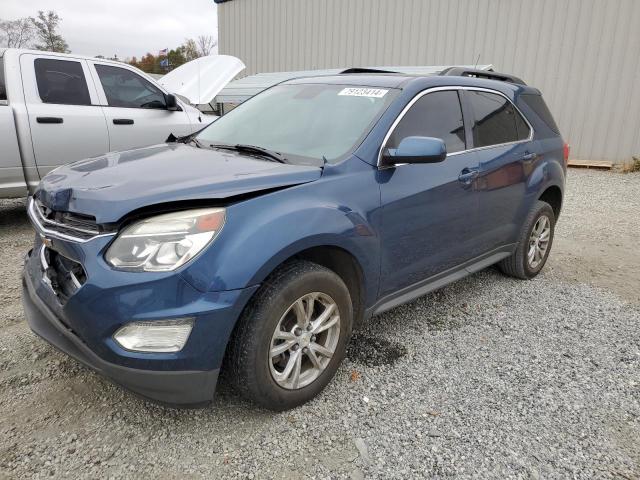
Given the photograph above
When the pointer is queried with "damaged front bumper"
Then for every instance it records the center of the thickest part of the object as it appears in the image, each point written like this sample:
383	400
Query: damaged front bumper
80	317
178	388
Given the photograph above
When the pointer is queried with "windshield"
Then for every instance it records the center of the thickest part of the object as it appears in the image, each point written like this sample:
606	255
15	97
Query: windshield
302	121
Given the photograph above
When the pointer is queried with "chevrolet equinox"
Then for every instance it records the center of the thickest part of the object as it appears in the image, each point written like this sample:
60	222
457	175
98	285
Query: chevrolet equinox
257	244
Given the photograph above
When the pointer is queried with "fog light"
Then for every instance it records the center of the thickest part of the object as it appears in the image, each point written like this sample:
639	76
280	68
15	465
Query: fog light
157	336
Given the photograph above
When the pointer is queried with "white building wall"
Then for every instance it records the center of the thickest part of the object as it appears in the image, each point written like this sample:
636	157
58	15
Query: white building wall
583	54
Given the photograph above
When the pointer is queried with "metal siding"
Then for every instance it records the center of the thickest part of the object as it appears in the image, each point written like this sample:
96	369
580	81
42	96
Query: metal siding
582	54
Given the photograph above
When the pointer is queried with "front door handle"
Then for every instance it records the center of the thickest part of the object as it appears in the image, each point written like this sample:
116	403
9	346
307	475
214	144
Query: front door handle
467	175
122	121
49	120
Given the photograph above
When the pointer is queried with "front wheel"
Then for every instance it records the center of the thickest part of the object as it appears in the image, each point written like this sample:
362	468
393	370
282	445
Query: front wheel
291	338
534	244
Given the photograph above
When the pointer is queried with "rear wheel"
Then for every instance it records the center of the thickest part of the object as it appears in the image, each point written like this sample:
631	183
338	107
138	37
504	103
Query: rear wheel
292	336
534	244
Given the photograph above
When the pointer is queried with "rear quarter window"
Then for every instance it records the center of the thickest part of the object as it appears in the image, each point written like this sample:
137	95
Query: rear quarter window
538	105
3	86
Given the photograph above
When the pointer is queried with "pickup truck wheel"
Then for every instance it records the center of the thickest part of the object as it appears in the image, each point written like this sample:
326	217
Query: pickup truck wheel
292	336
534	244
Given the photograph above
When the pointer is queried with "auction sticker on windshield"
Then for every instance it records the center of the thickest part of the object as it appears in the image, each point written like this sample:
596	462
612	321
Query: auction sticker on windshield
364	92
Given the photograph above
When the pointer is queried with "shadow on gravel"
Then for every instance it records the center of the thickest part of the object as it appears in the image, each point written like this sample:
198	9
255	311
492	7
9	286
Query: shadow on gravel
13	213
374	352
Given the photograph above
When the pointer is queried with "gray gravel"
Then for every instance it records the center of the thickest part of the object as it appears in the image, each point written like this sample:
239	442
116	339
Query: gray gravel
489	377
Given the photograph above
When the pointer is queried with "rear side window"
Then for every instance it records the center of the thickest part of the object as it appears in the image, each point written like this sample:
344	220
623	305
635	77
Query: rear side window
61	82
437	115
124	88
3	86
495	120
538	105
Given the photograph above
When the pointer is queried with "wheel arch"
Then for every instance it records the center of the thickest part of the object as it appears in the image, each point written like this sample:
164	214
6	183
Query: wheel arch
345	261
553	196
546	183
346	266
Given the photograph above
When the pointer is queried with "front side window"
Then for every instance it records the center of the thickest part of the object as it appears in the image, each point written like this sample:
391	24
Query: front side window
437	115
302	121
126	89
495	120
3	86
61	82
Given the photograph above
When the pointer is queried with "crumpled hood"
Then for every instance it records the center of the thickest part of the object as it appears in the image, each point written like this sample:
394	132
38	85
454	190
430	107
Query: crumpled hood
110	186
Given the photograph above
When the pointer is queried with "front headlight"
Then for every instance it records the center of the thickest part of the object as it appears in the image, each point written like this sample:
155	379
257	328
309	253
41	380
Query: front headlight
165	242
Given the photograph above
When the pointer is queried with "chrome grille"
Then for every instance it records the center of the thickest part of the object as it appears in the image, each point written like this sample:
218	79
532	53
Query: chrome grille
66	225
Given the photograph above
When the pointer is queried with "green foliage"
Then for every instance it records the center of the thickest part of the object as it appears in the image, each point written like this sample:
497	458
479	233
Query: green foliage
46	25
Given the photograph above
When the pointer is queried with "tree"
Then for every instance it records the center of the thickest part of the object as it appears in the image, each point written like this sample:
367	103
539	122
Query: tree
148	63
176	57
16	33
188	51
206	44
46	25
191	51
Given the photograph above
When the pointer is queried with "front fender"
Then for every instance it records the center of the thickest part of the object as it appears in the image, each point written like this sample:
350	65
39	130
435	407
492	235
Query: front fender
263	232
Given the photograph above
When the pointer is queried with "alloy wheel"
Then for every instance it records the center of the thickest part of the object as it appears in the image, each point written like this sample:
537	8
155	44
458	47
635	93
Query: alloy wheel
539	241
304	341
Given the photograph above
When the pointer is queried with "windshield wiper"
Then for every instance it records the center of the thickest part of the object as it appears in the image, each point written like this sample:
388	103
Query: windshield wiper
196	142
278	157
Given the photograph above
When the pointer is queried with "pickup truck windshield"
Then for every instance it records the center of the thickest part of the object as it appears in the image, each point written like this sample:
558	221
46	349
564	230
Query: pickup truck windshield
302	121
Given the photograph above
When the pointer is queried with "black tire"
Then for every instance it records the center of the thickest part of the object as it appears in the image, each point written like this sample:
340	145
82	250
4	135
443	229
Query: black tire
247	361
517	265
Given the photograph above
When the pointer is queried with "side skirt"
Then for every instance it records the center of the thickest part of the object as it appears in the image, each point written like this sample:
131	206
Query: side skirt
439	280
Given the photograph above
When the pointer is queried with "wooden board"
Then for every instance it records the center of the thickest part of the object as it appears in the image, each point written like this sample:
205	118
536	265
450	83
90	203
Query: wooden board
590	164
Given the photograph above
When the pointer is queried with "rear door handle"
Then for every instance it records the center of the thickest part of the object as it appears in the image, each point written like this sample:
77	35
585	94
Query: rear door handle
122	121
467	175
49	120
529	156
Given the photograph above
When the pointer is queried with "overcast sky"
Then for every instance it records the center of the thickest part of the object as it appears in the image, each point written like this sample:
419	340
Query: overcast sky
122	27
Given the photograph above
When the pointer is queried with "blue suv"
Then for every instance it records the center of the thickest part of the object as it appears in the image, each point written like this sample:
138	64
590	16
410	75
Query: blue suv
256	245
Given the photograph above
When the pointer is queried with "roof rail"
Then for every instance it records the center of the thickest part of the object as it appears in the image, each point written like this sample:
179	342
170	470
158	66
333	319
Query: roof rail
471	72
366	70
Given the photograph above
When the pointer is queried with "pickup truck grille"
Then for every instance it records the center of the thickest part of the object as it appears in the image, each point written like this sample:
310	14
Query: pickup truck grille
66	225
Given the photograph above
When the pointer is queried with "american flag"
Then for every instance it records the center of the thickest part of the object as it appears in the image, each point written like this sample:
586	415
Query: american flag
163	52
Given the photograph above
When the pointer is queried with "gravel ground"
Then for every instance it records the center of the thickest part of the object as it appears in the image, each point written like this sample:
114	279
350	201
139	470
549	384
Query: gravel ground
488	377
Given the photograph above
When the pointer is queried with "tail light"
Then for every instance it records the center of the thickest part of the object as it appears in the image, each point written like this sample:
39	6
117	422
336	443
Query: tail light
565	153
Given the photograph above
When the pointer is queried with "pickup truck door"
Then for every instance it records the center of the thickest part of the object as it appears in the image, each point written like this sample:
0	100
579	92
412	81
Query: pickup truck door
66	121
135	108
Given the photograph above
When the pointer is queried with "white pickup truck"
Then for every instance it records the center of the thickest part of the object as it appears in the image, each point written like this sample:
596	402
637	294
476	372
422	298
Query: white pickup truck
57	108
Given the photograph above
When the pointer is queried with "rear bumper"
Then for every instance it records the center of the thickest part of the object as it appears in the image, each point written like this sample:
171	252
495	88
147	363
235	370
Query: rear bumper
175	388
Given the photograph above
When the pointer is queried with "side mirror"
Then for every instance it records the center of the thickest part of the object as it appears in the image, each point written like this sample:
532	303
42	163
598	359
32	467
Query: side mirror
415	150
172	103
